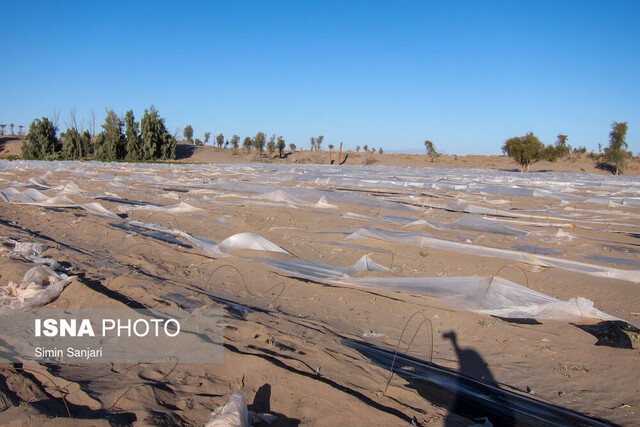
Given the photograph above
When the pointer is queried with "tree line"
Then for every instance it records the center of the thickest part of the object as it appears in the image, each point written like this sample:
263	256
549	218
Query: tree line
120	139
528	149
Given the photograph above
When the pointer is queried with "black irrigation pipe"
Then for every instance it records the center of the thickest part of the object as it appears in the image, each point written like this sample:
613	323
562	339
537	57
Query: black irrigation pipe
473	399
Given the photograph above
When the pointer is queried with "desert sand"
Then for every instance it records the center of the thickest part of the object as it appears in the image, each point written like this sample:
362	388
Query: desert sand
400	253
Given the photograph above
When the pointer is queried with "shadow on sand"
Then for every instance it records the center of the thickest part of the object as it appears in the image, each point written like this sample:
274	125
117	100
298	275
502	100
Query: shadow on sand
471	392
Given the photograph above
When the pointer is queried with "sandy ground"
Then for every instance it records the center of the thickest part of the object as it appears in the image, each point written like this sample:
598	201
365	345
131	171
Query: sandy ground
288	353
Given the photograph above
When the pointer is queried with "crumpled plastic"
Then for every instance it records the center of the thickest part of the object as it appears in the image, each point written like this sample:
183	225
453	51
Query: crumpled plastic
236	414
29	251
39	286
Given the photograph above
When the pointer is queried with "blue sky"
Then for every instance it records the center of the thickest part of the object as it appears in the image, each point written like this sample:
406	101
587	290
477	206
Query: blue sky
465	74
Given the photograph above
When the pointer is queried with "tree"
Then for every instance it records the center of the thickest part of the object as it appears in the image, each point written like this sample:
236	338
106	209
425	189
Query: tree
111	143
235	143
616	153
11	127
132	136
219	140
357	148
380	150
373	149
157	142
259	140
41	140
271	145
207	135
319	142
331	147
73	119
75	145
93	123
292	147
524	150
20	127
365	148
247	143
2	129
281	145
313	143
431	149
188	134
560	150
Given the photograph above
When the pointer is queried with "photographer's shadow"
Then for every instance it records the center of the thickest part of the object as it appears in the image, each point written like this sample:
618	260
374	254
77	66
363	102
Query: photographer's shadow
472	365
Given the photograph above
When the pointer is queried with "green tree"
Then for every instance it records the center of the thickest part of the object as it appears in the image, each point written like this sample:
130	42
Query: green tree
524	150
207	135
220	141
11	127
560	150
247	144
616	153
380	150
188	134
2	129
20	127
365	148
431	149
281	145
331	147
313	143
292	147
41	140
259	141
111	143
235	143
157	142
357	148
319	142
133	138
75	145
271	145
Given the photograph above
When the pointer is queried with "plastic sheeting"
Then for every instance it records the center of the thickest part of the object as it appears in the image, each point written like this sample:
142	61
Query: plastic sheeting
39	286
472	223
424	240
29	251
181	207
493	296
235	242
233	414
249	241
318	272
236	414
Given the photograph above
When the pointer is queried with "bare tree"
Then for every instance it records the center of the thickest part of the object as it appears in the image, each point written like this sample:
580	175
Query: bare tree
73	120
93	123
56	118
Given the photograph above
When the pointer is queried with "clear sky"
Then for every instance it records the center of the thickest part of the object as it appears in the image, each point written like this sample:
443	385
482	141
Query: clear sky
465	74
